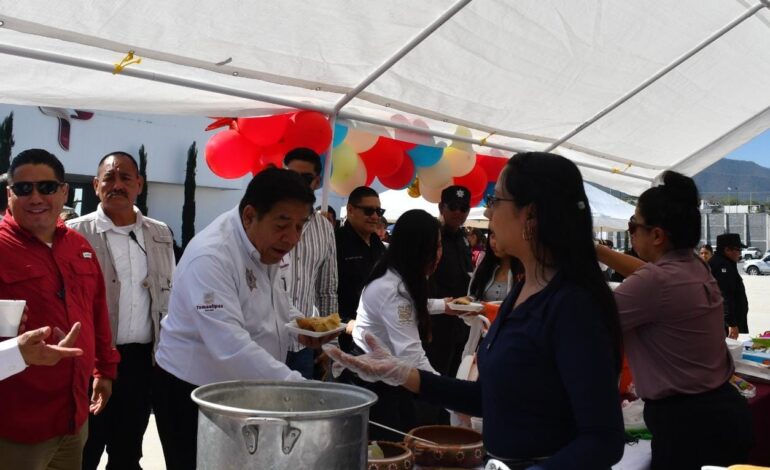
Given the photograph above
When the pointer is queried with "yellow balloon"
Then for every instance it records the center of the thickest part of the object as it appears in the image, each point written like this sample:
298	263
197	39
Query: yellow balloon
348	171
436	176
460	162
432	194
462	132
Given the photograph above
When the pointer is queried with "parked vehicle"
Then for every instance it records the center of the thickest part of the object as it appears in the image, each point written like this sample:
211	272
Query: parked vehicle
757	266
751	253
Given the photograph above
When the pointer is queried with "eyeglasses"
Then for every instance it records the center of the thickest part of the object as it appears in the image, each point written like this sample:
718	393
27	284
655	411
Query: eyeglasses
46	188
455	207
490	200
633	225
369	210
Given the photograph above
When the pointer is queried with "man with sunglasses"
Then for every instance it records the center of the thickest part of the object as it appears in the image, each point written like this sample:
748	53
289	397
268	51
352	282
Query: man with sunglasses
312	264
137	259
724	268
358	250
450	280
56	271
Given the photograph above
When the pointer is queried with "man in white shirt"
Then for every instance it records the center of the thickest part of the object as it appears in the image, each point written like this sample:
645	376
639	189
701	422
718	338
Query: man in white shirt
30	349
137	259
229	307
312	280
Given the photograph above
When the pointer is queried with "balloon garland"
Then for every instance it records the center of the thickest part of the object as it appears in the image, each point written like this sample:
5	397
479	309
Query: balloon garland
248	145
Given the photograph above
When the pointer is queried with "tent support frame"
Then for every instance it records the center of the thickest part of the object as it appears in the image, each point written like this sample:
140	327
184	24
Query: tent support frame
658	75
374	75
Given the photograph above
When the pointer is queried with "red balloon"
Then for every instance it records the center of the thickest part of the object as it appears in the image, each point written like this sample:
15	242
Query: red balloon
384	159
492	165
403	176
273	155
476	200
264	131
258	167
230	155
310	129
475	181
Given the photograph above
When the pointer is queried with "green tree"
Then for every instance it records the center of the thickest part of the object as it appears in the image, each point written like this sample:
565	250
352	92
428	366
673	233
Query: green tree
6	145
188	209
141	200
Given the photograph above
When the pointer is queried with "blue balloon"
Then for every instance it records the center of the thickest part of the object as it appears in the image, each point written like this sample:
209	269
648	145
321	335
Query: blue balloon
340	132
425	155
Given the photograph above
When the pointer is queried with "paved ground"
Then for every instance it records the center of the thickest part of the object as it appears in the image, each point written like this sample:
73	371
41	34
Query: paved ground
757	288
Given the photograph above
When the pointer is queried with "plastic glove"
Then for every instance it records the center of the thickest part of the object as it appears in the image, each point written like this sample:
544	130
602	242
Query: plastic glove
376	366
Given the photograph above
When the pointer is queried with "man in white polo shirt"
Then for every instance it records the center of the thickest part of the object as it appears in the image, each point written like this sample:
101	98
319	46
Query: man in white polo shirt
228	308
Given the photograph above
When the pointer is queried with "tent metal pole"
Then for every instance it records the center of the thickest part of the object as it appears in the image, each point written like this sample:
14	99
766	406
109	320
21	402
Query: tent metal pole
228	91
446	135
157	77
677	62
325	188
374	75
405	49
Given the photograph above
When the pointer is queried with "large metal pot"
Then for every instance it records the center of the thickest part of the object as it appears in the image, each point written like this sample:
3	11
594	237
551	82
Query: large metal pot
278	425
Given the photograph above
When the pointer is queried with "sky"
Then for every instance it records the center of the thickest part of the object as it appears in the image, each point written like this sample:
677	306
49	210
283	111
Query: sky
756	150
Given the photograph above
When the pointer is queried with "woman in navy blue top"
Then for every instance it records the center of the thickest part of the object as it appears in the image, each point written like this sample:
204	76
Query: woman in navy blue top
548	368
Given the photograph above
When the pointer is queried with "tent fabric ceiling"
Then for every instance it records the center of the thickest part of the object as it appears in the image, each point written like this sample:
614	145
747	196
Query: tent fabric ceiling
527	72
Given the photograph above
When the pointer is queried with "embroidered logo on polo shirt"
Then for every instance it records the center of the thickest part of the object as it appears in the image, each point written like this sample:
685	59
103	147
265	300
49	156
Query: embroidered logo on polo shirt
251	279
404	314
208	303
87	255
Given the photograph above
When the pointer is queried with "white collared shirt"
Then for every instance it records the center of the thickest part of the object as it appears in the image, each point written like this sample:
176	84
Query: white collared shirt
11	361
226	318
135	322
386	311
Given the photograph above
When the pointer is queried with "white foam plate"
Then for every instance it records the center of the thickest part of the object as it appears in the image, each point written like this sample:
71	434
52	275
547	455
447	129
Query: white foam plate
472	307
292	327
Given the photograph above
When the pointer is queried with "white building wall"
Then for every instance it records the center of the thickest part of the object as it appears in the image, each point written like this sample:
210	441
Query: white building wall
166	140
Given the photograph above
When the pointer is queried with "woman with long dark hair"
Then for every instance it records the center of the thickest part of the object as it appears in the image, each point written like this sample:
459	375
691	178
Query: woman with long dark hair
672	319
548	368
495	275
394	308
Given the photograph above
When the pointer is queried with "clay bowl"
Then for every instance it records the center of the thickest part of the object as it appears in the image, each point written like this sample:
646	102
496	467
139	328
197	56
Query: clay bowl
397	457
454	447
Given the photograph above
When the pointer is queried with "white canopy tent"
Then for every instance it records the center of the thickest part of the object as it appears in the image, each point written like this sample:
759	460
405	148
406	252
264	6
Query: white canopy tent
627	90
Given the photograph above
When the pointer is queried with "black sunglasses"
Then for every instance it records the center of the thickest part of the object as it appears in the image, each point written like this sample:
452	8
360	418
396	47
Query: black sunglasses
46	188
633	225
369	210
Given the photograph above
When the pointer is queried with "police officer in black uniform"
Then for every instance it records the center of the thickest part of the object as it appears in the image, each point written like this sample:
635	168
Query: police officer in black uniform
451	278
724	268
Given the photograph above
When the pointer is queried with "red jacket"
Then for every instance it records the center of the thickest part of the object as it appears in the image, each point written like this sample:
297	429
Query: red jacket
62	285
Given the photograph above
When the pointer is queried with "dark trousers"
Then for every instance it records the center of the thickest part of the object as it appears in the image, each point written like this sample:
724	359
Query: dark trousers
177	418
689	431
121	425
302	361
448	337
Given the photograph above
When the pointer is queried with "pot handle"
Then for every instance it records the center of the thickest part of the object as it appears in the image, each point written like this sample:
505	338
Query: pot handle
251	433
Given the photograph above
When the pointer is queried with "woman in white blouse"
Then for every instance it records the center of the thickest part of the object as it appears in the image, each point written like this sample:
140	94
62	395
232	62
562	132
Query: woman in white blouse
394	308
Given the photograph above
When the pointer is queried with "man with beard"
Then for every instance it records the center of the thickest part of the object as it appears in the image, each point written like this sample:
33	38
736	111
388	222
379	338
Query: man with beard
137	259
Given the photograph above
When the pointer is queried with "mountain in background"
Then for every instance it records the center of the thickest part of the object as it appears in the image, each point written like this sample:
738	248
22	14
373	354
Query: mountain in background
747	181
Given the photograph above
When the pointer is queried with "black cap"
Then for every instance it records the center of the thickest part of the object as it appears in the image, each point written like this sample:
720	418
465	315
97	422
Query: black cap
727	240
457	194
